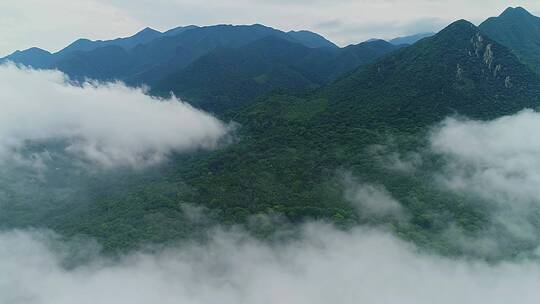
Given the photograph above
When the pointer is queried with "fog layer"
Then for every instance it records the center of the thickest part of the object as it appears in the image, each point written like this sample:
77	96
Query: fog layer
108	124
325	266
498	162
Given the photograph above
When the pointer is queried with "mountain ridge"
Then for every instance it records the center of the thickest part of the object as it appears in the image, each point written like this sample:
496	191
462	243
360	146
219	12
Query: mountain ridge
518	30
309	68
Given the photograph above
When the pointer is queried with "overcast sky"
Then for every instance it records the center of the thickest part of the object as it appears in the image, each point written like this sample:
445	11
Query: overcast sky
53	24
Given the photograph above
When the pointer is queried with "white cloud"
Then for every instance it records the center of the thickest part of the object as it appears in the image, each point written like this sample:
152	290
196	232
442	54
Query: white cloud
109	124
498	162
323	266
499	159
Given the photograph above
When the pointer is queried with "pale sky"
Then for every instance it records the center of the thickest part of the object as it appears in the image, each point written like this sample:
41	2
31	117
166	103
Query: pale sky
52	24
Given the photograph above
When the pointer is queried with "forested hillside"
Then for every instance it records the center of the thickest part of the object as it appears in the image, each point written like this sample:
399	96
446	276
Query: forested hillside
309	120
518	30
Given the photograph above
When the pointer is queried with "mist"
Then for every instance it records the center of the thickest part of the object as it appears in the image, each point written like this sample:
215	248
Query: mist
498	160
323	266
107	124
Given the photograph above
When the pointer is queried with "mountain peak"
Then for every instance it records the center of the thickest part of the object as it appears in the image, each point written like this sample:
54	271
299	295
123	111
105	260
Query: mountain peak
459	32
147	31
515	12
34	51
518	30
460	25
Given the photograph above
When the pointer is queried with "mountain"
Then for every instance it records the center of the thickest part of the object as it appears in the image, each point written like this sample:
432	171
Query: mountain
156	59
165	46
310	39
228	78
459	70
301	128
518	30
105	63
34	57
170	54
85	45
412	39
292	147
354	56
43	59
147	55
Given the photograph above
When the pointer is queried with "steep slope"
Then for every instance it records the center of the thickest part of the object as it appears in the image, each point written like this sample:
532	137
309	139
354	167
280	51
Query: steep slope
518	30
457	71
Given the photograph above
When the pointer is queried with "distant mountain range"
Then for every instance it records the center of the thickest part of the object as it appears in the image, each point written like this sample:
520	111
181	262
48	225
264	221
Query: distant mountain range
215	67
43	59
188	61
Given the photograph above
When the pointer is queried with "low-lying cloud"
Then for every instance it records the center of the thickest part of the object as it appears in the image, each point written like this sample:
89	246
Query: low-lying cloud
499	159
323	266
108	124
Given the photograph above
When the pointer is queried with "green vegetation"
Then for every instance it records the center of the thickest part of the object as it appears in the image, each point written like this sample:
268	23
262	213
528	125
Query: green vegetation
518	30
292	149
